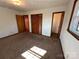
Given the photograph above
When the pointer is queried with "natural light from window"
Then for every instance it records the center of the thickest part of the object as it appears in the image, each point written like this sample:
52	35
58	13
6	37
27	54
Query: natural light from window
78	27
78	13
34	53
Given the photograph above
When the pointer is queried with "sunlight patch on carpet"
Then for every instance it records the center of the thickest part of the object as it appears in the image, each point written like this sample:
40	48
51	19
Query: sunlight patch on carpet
34	53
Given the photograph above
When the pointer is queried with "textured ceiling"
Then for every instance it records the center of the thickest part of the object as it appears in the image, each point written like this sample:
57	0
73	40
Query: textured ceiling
32	4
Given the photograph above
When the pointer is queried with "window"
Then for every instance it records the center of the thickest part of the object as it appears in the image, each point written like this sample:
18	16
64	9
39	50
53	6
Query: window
78	27
73	27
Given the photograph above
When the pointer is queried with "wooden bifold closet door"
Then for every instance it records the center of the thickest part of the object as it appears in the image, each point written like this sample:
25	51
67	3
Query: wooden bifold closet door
36	22
26	19
22	23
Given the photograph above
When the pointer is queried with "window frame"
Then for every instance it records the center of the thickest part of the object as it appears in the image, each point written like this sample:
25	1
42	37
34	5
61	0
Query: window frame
72	33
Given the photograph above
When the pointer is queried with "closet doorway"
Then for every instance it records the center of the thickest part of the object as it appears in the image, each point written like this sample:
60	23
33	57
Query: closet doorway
22	23
36	23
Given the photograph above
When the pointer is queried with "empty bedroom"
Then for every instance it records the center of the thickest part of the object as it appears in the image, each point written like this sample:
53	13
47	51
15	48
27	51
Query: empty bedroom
39	29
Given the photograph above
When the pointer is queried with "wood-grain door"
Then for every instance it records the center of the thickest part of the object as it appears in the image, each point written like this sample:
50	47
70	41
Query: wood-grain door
26	18
20	23
36	21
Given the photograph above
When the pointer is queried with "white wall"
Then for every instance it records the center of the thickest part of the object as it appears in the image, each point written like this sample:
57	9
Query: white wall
47	18
8	25
69	43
